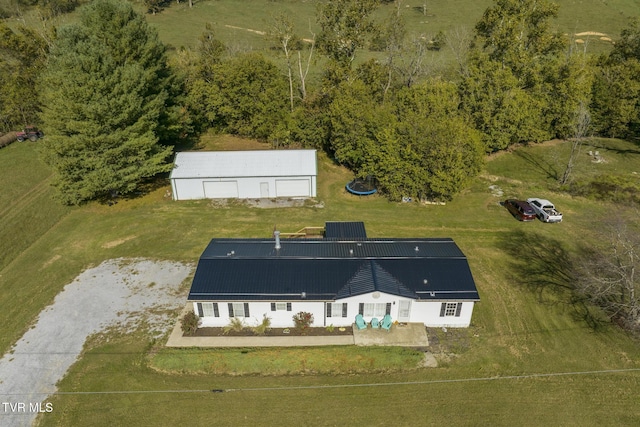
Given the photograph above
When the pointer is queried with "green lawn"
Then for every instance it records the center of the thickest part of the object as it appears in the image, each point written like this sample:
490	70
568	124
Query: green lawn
517	329
278	361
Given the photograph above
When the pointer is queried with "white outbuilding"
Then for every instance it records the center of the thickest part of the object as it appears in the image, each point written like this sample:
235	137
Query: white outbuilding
244	174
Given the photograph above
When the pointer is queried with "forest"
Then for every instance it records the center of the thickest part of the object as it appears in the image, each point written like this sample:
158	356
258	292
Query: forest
115	102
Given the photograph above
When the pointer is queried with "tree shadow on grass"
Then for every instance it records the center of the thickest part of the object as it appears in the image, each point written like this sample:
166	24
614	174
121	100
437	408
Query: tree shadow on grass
548	169
544	266
619	151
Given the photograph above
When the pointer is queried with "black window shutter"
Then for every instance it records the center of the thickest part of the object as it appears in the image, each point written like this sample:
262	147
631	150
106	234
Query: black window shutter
328	309
443	307
344	309
230	310
458	309
288	306
273	306
246	309
361	308
216	312
388	309
200	313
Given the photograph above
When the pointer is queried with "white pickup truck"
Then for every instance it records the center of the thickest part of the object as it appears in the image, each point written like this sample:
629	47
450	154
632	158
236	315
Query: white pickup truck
545	211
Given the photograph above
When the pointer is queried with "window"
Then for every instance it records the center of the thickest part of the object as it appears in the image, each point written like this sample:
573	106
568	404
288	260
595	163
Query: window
374	309
280	306
450	309
238	309
336	309
208	309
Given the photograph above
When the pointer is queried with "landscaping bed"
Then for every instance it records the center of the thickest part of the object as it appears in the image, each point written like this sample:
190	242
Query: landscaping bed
273	332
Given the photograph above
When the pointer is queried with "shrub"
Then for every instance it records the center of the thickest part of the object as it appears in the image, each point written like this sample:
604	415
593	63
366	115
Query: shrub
262	327
302	320
190	322
236	325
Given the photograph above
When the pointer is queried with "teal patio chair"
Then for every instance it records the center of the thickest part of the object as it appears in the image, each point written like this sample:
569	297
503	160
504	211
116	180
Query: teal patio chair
386	322
375	323
360	323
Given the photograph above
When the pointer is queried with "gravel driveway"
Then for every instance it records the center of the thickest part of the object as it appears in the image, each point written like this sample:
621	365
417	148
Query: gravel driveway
117	292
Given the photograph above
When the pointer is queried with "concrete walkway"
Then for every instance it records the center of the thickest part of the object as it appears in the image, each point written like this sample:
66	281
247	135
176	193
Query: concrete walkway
176	339
408	335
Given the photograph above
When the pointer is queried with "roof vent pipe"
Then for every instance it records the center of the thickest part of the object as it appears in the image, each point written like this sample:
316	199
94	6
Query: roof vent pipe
276	234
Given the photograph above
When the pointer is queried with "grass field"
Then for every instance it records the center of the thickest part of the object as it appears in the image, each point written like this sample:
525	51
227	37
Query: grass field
490	378
231	20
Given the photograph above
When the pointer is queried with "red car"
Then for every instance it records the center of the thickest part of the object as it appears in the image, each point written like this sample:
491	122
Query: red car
520	209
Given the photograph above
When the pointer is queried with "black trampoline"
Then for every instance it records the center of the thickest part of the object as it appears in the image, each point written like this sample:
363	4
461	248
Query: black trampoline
362	186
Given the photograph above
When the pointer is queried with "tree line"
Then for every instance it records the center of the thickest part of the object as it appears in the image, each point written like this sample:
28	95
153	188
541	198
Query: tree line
114	103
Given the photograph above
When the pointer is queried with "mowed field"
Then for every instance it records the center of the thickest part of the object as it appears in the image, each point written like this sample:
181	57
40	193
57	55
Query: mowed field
528	359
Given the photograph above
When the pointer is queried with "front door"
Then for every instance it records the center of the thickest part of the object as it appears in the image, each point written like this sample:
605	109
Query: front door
404	310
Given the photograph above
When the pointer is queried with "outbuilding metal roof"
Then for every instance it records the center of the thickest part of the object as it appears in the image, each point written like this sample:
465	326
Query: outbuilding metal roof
318	269
260	163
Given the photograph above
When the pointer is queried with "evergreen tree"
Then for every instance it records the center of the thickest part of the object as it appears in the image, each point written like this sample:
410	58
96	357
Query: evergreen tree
105	92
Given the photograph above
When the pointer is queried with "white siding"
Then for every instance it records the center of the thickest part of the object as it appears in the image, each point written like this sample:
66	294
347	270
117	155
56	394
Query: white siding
293	187
279	318
220	189
427	312
285	173
247	188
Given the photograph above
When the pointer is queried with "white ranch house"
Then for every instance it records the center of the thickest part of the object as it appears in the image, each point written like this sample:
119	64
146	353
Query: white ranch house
244	174
334	278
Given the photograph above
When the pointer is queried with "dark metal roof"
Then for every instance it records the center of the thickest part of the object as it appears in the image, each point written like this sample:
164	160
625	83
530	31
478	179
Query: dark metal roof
324	248
345	230
317	269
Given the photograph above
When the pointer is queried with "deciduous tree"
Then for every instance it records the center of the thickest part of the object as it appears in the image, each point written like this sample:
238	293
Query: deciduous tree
609	275
504	88
345	25
22	57
246	95
616	90
499	106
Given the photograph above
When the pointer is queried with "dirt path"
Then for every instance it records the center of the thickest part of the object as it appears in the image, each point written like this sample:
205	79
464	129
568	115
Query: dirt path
117	292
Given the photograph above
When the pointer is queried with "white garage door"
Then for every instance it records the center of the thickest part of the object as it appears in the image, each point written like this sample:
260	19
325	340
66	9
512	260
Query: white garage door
293	188
220	189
